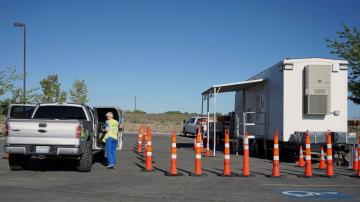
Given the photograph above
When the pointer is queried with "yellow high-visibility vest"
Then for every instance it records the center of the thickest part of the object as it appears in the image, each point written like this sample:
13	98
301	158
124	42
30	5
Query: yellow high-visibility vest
113	127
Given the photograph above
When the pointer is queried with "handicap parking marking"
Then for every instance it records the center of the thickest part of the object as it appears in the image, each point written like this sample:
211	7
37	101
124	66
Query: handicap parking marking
315	194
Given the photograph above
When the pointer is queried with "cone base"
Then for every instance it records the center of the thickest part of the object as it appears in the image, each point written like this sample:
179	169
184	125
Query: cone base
271	176
197	175
207	156
251	175
231	175
300	166
148	171
334	176
174	175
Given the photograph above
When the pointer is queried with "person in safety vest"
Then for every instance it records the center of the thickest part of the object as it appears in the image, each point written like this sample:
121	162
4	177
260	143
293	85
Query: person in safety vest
111	139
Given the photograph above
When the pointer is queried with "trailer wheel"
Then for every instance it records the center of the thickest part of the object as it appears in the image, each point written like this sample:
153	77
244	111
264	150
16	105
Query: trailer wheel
16	162
85	162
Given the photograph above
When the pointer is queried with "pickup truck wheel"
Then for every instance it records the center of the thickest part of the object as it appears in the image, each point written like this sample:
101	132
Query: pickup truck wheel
16	162
85	162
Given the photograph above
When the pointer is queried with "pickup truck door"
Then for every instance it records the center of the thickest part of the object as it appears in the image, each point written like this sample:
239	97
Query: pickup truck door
100	119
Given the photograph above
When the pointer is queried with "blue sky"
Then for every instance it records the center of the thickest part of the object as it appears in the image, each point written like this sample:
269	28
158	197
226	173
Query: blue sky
166	52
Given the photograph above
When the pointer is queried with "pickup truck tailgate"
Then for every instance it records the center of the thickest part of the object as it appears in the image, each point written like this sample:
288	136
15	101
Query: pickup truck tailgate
43	132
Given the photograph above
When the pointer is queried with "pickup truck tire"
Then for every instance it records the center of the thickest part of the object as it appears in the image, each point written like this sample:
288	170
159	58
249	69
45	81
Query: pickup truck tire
16	162
85	162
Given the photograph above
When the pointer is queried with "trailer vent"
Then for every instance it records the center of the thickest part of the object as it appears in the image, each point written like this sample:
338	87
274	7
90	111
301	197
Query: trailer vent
317	89
318	104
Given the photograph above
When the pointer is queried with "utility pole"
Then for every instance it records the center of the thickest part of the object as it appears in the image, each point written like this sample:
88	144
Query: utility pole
135	109
22	25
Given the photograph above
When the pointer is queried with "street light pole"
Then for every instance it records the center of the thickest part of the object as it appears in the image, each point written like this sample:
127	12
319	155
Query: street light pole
22	25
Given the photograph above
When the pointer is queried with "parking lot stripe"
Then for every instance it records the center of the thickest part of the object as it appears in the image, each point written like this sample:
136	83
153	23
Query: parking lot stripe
312	185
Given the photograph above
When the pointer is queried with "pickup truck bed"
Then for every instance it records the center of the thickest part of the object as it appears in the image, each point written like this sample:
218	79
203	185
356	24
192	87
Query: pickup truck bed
59	135
54	129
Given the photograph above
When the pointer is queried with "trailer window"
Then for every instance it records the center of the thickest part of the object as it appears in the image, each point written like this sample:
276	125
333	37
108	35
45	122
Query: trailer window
60	112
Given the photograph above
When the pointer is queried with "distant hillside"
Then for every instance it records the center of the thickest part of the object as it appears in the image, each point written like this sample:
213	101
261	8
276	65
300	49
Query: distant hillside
163	123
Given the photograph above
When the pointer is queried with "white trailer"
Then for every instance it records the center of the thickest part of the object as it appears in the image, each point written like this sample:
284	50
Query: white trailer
292	96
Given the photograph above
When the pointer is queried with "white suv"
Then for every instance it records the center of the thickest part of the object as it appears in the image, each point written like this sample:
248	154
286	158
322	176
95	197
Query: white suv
193	124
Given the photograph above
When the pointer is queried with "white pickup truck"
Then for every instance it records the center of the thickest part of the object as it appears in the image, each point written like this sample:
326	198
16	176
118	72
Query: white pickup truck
192	125
58	130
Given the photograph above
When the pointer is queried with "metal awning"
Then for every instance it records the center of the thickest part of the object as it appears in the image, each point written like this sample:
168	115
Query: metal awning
222	88
233	87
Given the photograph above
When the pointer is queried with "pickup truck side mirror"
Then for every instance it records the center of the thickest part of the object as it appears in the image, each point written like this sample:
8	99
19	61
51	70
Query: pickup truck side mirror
184	121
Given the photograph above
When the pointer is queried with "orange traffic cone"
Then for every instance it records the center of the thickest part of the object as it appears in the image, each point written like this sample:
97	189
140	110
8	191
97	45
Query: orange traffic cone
308	166
329	157
227	163
301	162
322	165
198	164
276	160
207	153
139	145
148	158
357	174
173	166
145	140
246	158
355	166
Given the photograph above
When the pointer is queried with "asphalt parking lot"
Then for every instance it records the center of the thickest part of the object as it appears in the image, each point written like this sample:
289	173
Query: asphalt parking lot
56	180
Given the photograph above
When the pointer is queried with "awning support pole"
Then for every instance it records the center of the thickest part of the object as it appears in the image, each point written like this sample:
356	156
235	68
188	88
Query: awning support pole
237	118
208	124
215	122
202	112
202	105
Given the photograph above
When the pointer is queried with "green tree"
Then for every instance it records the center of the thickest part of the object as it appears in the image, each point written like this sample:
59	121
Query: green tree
7	79
32	96
78	92
347	46
51	90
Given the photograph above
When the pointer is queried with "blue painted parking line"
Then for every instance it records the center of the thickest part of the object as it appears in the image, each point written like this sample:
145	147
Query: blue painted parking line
315	194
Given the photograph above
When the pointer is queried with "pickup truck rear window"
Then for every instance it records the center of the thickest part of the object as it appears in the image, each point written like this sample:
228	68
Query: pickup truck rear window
21	112
60	112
